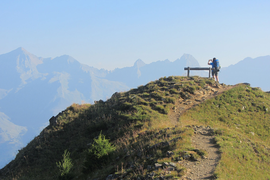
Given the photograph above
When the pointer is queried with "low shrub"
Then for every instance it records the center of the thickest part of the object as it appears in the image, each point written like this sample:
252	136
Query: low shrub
65	167
99	153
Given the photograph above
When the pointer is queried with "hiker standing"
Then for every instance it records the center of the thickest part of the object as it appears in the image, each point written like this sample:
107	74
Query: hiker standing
215	68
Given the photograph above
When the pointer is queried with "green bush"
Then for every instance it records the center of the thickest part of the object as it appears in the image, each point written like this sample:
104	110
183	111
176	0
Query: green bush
65	166
98	154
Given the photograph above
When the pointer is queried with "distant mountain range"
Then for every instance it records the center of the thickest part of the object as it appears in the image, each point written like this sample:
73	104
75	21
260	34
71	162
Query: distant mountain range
142	73
33	89
254	71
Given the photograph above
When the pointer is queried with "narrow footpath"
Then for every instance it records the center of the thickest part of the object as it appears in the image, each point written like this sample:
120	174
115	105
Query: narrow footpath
203	168
203	138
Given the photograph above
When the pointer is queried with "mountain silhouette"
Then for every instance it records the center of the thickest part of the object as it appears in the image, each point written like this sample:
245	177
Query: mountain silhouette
33	89
141	73
253	71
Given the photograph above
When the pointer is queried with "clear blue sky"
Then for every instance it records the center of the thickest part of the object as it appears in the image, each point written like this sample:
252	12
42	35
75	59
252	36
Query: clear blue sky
115	33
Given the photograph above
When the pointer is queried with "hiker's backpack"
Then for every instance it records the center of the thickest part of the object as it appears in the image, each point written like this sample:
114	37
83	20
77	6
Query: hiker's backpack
216	64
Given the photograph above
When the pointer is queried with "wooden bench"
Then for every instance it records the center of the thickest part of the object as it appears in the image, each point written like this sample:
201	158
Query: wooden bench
198	69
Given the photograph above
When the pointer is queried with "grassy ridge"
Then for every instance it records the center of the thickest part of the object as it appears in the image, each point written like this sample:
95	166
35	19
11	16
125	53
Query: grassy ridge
241	117
133	121
137	124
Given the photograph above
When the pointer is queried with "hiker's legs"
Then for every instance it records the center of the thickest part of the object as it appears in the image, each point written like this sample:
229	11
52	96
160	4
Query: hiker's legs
216	76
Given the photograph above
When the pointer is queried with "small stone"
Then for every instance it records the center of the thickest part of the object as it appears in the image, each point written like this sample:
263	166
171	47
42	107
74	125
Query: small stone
157	165
170	153
170	169
186	156
165	164
204	157
172	164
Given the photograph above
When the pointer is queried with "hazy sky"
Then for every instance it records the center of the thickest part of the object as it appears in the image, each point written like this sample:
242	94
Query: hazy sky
115	33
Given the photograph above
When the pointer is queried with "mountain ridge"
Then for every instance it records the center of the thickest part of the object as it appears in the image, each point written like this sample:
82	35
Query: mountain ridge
38	88
251	70
49	85
148	141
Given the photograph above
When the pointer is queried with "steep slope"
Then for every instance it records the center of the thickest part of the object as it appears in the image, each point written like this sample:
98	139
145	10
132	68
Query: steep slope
150	140
37	88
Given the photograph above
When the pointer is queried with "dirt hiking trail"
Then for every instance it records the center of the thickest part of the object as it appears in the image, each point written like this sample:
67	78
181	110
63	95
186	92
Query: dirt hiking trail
203	138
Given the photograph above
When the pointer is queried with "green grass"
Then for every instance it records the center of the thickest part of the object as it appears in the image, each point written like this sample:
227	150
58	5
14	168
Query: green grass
137	125
242	121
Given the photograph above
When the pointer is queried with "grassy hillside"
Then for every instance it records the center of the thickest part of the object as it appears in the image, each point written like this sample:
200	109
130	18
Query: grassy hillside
241	118
130	134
